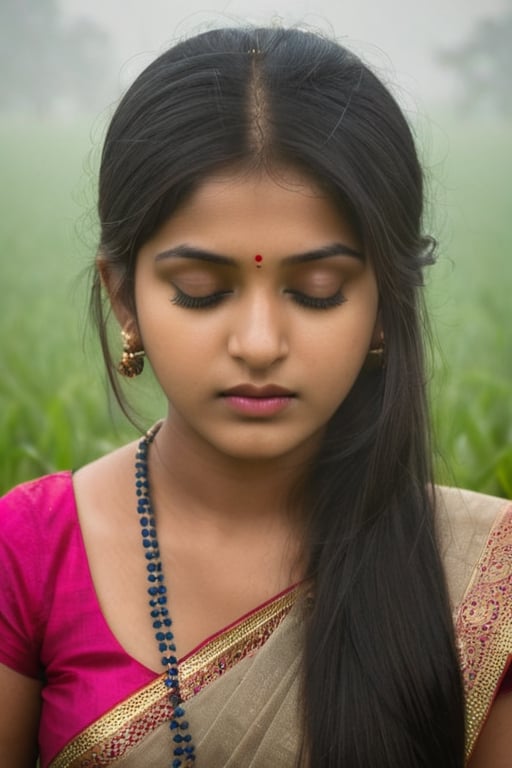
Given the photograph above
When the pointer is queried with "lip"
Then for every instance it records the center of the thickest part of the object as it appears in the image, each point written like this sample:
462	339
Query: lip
249	400
250	390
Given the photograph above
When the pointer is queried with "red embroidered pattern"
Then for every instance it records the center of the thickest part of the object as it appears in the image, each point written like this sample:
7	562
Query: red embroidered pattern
129	736
238	649
484	626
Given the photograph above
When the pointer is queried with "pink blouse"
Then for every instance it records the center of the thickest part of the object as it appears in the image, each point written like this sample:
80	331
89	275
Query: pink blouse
51	625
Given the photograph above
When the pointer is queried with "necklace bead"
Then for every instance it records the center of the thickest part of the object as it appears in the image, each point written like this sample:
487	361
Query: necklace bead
183	748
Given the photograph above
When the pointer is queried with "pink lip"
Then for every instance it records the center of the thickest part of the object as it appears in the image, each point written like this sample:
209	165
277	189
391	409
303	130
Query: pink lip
249	400
250	390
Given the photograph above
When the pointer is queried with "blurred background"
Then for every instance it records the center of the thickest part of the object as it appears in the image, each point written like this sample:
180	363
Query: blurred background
63	66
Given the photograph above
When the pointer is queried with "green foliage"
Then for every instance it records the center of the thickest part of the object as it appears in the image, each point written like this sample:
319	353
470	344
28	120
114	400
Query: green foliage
54	406
470	304
55	411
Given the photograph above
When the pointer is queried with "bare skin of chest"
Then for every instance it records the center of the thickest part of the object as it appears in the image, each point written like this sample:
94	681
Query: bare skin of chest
212	577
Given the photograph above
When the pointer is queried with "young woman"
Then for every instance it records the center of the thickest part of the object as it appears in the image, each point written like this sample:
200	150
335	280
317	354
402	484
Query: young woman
270	577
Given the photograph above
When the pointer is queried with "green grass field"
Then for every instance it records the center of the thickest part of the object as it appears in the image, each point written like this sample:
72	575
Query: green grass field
470	300
55	411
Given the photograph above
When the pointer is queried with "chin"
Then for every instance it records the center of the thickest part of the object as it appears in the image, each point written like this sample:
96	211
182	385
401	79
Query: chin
268	449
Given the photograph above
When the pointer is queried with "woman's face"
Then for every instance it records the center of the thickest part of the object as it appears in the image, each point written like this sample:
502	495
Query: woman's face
256	308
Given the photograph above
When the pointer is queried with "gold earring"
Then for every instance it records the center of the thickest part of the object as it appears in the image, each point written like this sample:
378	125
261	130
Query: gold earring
376	357
132	361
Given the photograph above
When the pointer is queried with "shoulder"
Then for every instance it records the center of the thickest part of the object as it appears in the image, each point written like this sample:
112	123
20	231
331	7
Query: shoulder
466	523
465	518
47	486
37	520
459	505
28	507
32	516
105	486
32	511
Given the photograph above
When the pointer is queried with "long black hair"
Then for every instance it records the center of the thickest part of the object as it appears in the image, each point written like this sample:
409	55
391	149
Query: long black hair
381	681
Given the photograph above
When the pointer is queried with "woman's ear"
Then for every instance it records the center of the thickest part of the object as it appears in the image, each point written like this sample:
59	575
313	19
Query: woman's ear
112	283
132	359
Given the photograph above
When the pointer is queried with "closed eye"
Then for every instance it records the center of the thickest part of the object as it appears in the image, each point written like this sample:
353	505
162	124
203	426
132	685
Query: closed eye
317	302
187	301
198	302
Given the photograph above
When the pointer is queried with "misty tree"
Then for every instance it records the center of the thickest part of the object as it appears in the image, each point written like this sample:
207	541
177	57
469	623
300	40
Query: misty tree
483	64
48	63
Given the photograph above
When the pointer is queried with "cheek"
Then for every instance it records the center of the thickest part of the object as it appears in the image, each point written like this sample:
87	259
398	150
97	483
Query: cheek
180	354
344	343
337	356
172	349
164	329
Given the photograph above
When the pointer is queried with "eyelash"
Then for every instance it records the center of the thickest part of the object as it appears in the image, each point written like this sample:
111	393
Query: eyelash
311	302
211	300
197	302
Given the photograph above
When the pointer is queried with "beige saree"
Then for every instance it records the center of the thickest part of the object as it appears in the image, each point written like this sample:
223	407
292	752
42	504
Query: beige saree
242	687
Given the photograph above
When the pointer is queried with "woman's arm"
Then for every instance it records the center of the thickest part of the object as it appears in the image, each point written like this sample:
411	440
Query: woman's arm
20	706
493	748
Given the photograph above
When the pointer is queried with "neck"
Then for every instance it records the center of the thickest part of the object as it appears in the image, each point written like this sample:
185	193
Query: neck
196	481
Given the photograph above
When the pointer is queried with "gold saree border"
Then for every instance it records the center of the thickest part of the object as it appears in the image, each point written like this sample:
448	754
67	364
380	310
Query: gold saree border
122	728
484	626
224	650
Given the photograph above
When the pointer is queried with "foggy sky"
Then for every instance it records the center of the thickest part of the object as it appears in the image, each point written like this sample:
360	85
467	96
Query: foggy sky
399	38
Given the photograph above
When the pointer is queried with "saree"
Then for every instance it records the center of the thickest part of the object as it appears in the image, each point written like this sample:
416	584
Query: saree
476	544
241	693
241	688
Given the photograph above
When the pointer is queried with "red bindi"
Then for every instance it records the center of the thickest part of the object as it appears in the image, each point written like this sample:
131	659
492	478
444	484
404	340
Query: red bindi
258	259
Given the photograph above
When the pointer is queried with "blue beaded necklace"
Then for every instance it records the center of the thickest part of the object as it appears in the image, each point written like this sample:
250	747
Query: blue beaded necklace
183	748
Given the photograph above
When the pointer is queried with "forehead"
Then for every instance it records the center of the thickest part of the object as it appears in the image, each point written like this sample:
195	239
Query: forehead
285	185
267	207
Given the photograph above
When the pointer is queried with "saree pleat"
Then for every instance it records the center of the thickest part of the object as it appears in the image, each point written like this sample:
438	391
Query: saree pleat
255	723
248	717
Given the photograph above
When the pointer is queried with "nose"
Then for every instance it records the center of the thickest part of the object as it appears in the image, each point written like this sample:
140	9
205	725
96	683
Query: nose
258	336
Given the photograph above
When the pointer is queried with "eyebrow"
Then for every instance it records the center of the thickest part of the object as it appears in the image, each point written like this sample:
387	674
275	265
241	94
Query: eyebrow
190	252
335	249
